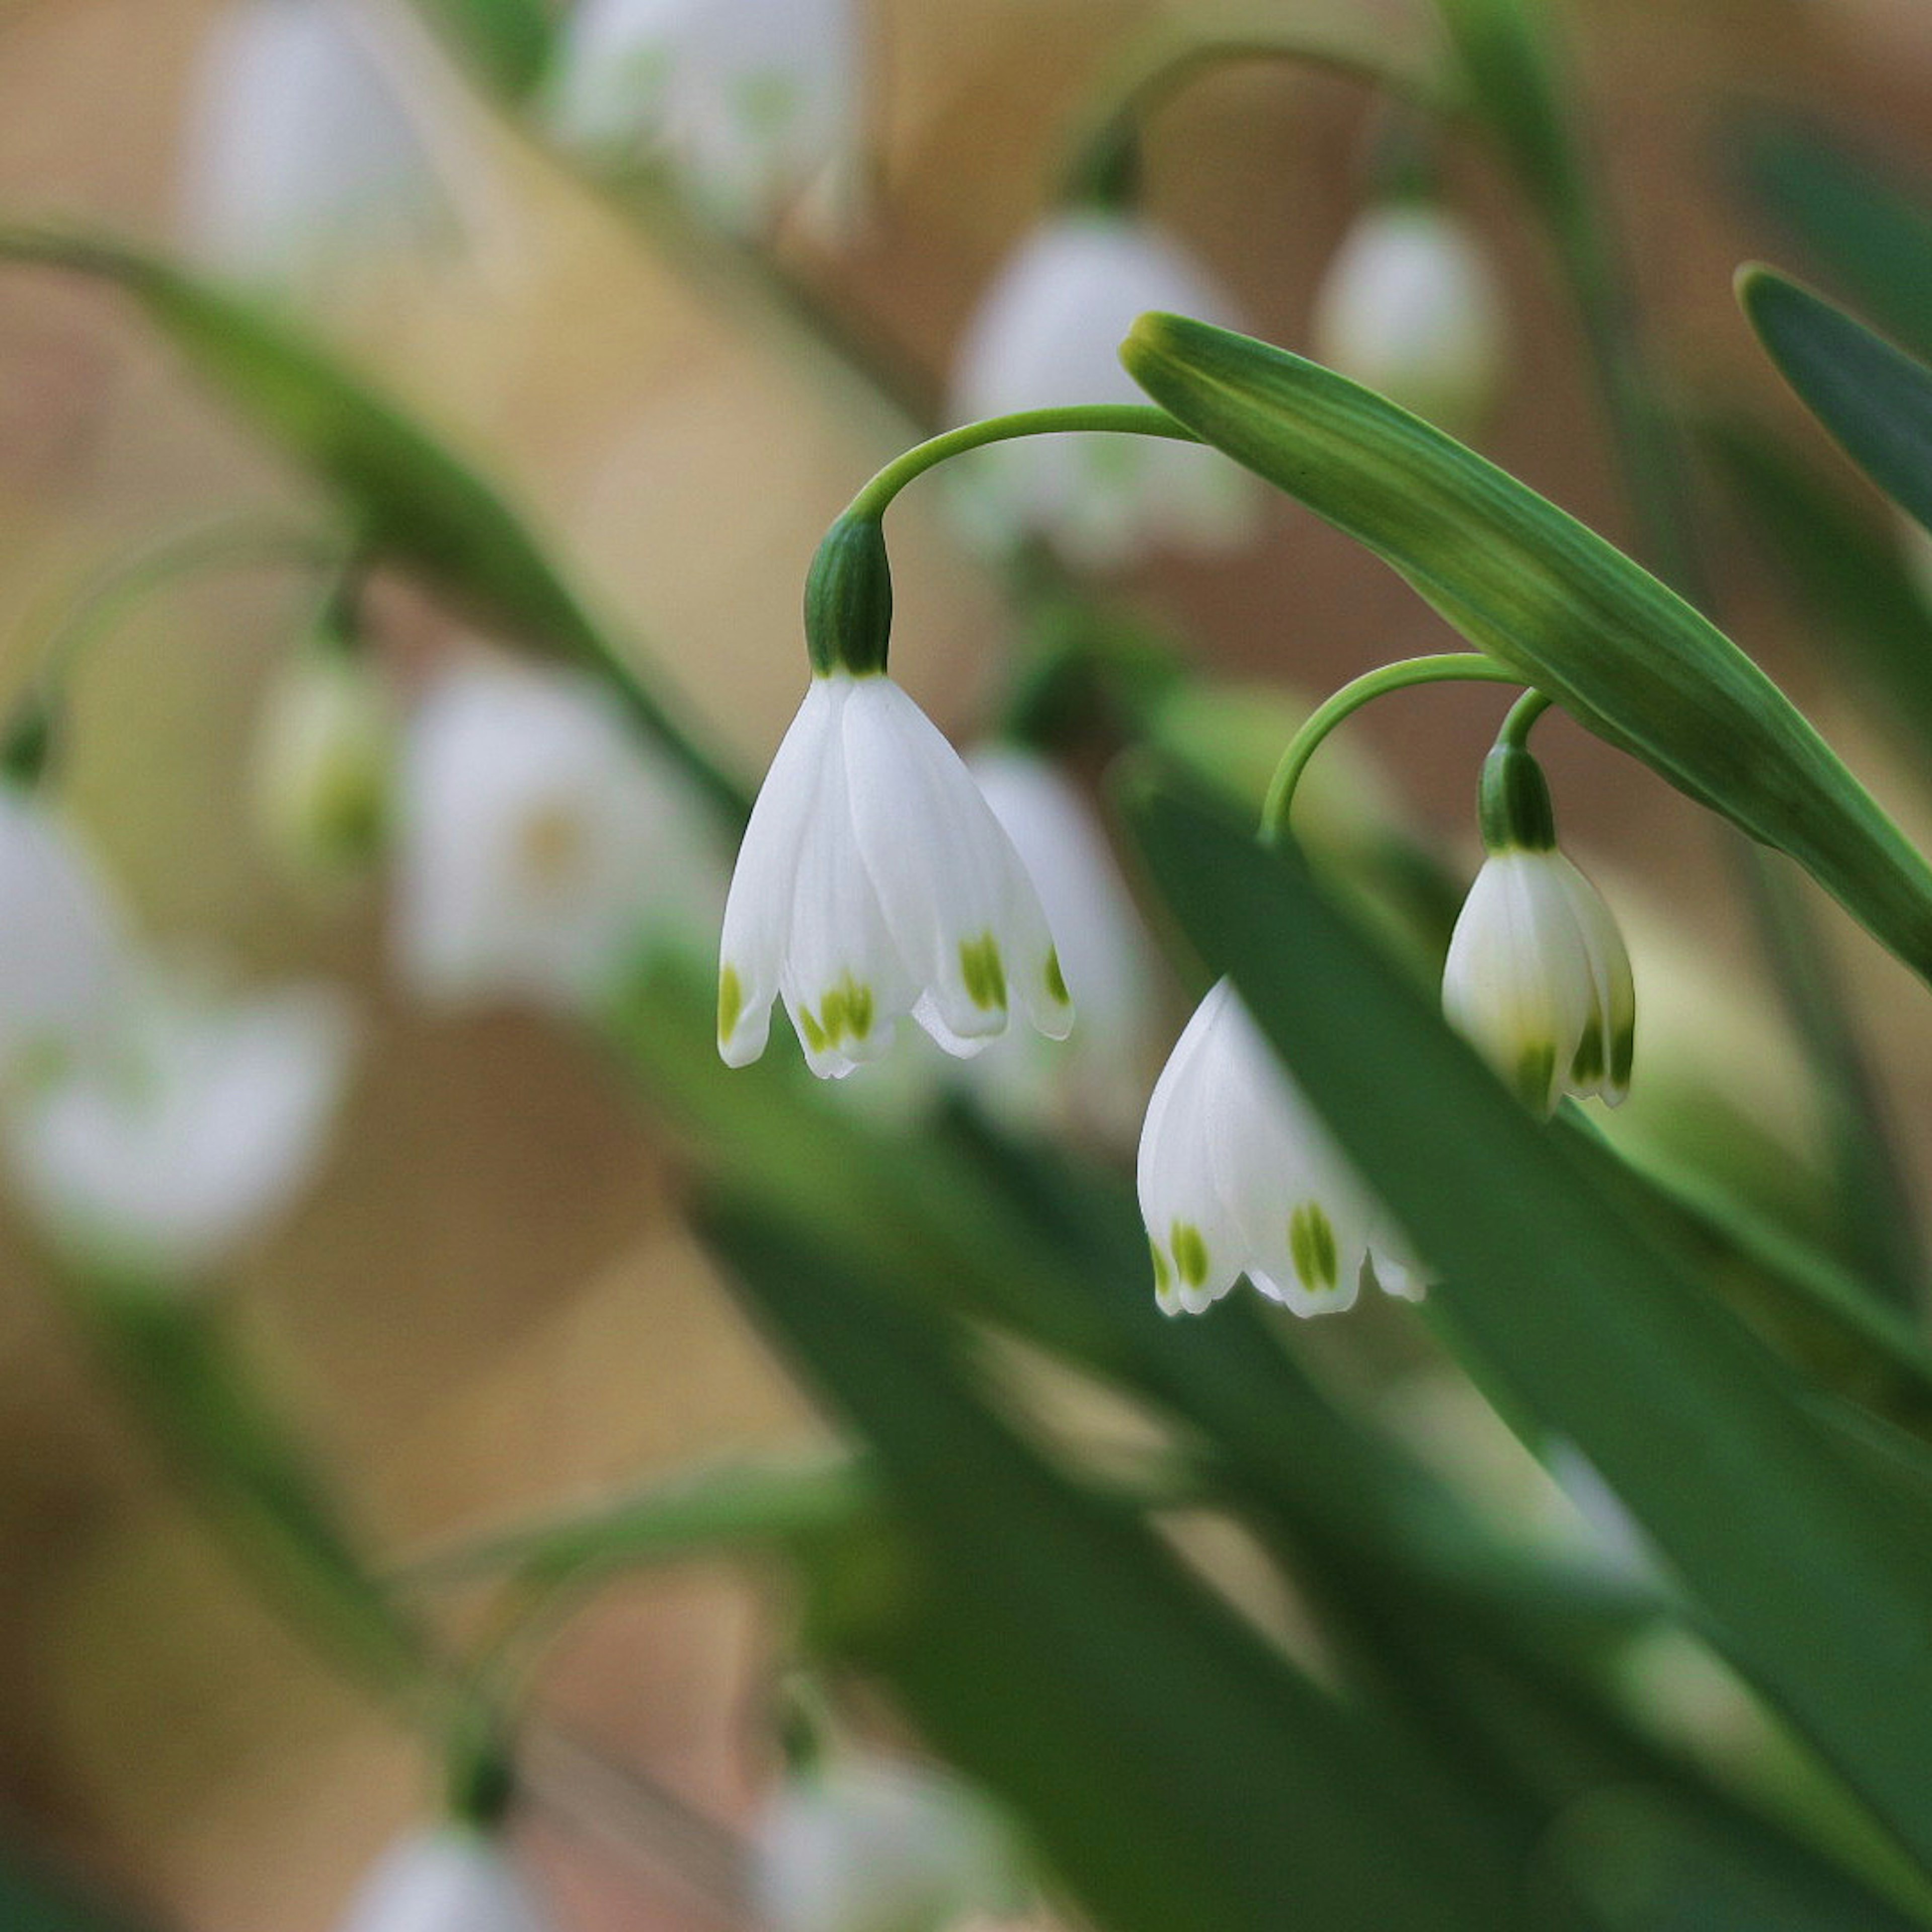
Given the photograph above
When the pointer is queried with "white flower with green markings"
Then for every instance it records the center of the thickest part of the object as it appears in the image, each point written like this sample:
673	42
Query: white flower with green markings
1236	1176
874	882
452	1880
1538	976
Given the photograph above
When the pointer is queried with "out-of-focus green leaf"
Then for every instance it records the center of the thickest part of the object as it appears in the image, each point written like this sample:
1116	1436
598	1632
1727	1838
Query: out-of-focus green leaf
507	42
1550	599
32	1900
1176	1772
1868	617
1793	1555
1859	227
411	502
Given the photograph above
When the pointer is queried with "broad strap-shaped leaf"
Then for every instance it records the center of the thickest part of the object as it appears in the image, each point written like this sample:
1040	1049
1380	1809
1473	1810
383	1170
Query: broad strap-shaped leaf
1875	399
1553	601
410	500
1801	1564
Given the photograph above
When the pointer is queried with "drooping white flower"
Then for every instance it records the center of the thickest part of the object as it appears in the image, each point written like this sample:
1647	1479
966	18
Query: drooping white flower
1538	976
1237	1176
183	1130
1100	1077
1409	307
874	881
452	1880
302	145
539	846
1047	332
62	938
325	764
868	1845
754	101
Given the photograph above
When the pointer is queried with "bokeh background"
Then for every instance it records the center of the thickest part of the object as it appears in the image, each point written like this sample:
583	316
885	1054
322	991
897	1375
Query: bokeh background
489	1306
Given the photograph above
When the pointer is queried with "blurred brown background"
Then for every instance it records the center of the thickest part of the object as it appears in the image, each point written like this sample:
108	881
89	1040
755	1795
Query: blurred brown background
488	1307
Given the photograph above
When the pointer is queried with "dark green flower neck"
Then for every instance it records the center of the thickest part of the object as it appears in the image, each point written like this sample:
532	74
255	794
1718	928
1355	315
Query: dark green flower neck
848	599
1512	803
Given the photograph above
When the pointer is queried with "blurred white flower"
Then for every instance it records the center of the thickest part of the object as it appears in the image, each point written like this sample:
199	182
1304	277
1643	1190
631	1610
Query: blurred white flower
1047	332
325	763
1409	307
1538	977
183	1130
1100	1077
866	1845
301	145
1236	1176
874	881
62	939
452	1880
755	101
540	849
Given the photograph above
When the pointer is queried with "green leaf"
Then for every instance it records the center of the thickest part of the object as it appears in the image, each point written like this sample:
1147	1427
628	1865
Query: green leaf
1875	399
1550	600
1859	227
32	1900
412	501
1793	1556
507	42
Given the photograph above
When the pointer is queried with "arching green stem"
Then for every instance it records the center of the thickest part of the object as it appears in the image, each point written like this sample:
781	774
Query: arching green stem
1523	714
1104	418
1445	667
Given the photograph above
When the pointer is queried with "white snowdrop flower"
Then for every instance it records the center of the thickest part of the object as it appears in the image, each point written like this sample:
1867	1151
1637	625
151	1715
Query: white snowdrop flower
62	939
874	881
754	101
301	145
184	1131
867	1845
325	763
1410	307
1101	1076
452	1880
540	849
1048	332
1538	974
1237	1176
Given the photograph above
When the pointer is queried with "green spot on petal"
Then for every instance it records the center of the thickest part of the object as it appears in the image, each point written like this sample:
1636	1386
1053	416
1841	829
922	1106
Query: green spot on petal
847	1012
1190	1252
1535	1069
730	1002
984	971
1311	1246
1056	980
815	1035
1586	1070
1163	1275
1623	1049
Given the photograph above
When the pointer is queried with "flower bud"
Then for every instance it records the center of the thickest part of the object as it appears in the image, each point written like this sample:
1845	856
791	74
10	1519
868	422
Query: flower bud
1409	307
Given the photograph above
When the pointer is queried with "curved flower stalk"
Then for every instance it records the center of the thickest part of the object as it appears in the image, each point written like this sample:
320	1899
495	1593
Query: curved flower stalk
1046	333
874	882
302	145
1538	974
452	1880
863	1844
1236	1176
1409	307
539	849
754	100
1100	1080
178	1136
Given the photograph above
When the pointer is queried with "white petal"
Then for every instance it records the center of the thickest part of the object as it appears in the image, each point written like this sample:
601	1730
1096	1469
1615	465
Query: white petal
1615	990
449	1881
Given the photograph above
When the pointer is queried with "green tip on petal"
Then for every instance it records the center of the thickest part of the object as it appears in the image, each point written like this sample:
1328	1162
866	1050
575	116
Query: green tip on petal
1190	1253
985	972
1535	1073
1056	980
1163	1275
1623	1050
1586	1070
730	1002
1311	1246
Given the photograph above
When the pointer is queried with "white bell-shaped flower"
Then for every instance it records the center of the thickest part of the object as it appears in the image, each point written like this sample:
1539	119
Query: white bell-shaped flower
302	146
1237	1176
183	1131
62	939
452	1880
1047	332
1538	977
1099	1078
874	881
1410	307
868	1845
540	848
754	101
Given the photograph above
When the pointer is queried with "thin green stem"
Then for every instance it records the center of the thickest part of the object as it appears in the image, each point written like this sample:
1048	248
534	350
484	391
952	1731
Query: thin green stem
1443	667
1523	714
1100	418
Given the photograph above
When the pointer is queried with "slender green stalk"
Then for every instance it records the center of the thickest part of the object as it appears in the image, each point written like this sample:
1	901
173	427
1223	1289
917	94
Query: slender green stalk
1443	667
1523	715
